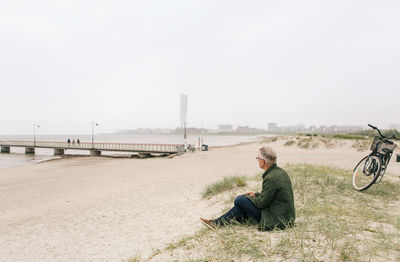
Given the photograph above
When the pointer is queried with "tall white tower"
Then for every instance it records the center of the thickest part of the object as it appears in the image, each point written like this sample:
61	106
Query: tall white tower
184	105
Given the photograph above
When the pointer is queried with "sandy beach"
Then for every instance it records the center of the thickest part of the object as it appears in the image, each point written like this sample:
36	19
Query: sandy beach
104	209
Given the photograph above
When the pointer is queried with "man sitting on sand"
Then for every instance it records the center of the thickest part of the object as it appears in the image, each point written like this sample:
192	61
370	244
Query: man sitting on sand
273	207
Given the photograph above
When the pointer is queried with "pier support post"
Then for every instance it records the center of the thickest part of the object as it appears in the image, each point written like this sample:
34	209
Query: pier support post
144	155
29	150
5	149
94	152
58	151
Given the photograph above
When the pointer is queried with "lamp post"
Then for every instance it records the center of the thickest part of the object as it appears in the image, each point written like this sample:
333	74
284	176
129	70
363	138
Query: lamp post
93	123
34	134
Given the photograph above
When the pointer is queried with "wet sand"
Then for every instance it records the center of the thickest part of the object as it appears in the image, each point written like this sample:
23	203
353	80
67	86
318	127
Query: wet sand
104	209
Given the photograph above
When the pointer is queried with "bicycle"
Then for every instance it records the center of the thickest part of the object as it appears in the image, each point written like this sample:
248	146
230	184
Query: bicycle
371	168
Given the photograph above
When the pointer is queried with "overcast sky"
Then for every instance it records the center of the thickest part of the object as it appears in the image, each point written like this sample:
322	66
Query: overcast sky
125	63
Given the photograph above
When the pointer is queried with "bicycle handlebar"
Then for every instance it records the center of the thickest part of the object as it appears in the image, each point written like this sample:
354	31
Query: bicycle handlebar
377	129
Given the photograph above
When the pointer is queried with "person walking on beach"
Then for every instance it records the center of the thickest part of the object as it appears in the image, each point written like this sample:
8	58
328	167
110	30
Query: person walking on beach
272	208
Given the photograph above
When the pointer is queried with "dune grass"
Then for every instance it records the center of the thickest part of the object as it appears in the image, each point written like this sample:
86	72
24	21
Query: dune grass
225	184
334	223
362	145
350	136
289	142
271	139
136	258
309	141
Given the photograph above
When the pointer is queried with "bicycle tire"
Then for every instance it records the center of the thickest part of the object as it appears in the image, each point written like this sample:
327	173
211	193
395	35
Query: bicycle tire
379	179
363	179
383	169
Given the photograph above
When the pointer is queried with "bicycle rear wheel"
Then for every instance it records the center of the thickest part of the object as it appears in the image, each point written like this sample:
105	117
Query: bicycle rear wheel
366	172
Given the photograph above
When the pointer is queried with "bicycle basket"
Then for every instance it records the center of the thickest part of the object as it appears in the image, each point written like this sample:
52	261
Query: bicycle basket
385	146
375	143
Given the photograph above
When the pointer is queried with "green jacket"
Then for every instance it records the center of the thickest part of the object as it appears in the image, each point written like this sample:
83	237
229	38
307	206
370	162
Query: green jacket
275	200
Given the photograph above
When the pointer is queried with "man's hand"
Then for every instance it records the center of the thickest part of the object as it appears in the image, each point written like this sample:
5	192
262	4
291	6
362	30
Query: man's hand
248	193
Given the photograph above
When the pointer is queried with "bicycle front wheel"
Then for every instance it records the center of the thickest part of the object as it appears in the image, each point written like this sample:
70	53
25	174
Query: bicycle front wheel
367	172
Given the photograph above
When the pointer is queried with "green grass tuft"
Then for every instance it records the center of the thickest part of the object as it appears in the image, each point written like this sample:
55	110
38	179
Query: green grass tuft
227	183
136	258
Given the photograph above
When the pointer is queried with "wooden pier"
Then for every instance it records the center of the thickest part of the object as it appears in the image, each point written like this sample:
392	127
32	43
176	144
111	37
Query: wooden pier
94	148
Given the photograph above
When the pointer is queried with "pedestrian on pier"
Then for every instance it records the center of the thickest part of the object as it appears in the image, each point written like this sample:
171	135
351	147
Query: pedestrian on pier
78	141
69	141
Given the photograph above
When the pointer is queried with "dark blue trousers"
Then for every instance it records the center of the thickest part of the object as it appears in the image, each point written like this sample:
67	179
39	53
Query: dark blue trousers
243	209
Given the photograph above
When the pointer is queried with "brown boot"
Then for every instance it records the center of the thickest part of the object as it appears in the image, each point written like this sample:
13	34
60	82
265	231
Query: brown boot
208	223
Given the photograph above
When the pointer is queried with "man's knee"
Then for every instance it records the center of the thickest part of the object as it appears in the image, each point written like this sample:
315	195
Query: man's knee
240	201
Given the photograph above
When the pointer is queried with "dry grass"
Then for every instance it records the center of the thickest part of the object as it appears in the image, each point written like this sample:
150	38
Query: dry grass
271	139
225	184
334	223
308	143
136	258
361	144
327	141
289	143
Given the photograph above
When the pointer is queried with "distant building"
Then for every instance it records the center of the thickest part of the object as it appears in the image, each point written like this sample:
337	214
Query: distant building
145	131
190	130
225	127
272	127
322	129
291	129
312	129
395	126
354	129
249	130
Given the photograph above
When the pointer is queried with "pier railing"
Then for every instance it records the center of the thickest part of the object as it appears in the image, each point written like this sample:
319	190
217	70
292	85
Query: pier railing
123	147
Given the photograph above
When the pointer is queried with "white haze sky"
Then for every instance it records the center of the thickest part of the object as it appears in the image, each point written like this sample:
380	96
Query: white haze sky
125	63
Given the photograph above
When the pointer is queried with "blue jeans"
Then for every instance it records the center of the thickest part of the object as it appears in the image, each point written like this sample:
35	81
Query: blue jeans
243	209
